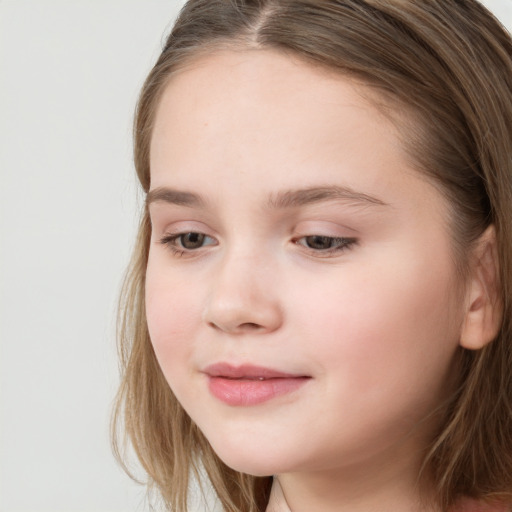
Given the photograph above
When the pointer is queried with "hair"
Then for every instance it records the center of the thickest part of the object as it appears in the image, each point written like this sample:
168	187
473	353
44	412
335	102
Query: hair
448	65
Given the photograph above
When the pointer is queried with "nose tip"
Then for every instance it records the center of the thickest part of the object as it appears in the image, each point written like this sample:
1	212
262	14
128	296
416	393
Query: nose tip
237	308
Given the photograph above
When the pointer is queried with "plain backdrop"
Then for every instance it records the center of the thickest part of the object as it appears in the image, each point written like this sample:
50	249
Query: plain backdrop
70	71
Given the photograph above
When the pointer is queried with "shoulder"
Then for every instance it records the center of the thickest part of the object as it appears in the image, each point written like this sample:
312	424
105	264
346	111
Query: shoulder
467	505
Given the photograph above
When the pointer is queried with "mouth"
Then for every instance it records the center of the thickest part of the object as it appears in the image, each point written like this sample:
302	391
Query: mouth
248	385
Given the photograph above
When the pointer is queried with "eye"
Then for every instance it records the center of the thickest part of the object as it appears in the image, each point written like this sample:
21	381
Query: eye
191	241
326	244
183	242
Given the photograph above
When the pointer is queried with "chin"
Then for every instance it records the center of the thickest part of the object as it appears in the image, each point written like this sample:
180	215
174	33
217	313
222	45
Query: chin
251	461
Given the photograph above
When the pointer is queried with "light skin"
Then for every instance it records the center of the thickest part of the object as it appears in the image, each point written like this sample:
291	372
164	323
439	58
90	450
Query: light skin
316	250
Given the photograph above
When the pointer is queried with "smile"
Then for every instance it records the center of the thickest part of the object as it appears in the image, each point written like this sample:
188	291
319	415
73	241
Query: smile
250	385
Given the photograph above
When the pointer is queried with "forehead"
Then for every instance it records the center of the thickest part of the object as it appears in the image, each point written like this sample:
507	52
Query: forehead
238	107
263	76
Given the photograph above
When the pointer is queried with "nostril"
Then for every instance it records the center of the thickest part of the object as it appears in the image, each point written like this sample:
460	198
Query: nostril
249	326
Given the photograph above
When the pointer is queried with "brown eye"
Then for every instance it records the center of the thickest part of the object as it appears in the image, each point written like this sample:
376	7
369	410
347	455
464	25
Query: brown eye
192	240
181	244
319	242
326	245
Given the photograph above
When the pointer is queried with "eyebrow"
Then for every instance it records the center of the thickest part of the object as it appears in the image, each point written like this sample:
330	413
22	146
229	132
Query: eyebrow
280	200
172	196
306	196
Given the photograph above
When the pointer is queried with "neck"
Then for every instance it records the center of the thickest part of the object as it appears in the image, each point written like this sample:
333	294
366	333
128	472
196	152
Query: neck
386	491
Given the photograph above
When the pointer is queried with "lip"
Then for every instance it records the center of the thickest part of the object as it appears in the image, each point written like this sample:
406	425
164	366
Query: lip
248	385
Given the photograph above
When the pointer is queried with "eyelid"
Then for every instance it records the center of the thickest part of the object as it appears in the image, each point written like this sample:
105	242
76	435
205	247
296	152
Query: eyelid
167	235
326	227
171	237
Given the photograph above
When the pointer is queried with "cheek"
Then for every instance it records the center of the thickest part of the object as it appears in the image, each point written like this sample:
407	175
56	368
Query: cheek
389	323
172	312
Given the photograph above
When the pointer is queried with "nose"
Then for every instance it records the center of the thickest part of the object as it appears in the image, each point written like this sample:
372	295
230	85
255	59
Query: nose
244	297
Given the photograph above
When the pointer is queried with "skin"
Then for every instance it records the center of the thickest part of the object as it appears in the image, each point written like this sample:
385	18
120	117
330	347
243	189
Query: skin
375	326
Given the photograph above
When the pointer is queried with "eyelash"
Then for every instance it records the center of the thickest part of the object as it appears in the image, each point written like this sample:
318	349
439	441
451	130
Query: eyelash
170	241
338	244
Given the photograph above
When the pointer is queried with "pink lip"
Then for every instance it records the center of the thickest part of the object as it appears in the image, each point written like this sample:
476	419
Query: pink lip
250	385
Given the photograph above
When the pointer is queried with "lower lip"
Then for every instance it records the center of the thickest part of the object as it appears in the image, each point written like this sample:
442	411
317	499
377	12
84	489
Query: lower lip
245	392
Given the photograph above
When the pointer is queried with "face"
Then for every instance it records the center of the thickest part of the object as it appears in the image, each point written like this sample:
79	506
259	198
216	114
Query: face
301	293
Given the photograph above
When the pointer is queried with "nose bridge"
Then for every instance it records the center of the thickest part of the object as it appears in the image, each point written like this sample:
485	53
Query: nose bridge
242	297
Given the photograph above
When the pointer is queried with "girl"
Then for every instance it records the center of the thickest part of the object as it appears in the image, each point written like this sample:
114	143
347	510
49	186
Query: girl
318	311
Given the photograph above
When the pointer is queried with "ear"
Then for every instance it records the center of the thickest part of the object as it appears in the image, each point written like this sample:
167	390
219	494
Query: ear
484	308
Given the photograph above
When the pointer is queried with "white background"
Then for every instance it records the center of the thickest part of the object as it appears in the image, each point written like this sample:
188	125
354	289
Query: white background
70	71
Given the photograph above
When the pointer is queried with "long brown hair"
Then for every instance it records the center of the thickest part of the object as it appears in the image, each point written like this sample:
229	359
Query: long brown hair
448	65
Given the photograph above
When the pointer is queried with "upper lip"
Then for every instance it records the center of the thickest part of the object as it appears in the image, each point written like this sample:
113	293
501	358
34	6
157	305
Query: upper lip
246	371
